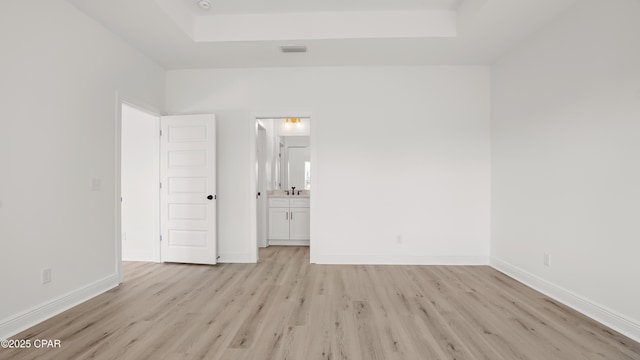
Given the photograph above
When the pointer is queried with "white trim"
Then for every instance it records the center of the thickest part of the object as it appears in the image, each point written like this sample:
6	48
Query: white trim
236	258
313	204
117	187
400	259
579	303
253	216
18	323
264	230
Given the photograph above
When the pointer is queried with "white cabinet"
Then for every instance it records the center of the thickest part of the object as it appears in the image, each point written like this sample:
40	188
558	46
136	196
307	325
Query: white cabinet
299	224
289	221
278	223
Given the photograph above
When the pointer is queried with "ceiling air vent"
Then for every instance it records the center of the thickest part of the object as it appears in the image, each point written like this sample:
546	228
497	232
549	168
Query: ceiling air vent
293	49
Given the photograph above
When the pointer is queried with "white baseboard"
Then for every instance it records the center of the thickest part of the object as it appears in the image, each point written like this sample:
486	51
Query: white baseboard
585	306
399	259
18	323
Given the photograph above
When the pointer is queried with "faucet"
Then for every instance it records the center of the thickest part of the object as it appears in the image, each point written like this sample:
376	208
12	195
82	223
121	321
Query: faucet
293	190
287	191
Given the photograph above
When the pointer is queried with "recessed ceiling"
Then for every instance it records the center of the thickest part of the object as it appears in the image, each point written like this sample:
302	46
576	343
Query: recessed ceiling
249	33
280	6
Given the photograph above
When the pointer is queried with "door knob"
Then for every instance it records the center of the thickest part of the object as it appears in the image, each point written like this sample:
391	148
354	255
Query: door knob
258	195
210	197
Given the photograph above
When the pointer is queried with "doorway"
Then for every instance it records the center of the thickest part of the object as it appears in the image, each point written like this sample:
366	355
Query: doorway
139	178
166	208
282	173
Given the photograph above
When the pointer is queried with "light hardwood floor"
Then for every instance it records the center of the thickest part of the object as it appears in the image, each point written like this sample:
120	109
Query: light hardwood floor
284	308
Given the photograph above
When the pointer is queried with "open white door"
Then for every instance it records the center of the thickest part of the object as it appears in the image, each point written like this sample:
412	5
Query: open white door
188	193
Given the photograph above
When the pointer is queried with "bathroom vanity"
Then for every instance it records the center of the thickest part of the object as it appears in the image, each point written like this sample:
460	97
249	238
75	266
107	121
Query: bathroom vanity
288	222
288	213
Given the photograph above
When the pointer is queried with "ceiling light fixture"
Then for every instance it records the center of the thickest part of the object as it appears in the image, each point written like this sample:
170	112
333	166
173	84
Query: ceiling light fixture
293	49
294	121
204	4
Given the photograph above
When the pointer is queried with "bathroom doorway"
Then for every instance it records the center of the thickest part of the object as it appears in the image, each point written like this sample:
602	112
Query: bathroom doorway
282	168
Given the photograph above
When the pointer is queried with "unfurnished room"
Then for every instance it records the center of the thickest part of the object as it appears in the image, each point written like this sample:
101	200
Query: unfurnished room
306	179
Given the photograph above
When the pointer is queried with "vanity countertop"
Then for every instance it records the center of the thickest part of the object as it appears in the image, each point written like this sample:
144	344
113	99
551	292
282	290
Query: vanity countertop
281	194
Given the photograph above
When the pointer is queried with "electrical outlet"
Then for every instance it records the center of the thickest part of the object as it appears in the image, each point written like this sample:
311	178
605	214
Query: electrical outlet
46	276
547	259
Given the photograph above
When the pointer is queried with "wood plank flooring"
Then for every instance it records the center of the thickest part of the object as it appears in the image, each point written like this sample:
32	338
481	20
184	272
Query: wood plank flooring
285	308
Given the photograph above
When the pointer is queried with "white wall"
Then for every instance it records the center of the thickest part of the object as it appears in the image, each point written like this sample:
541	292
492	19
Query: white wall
402	168
270	151
140	185
566	165
60	74
299	141
281	128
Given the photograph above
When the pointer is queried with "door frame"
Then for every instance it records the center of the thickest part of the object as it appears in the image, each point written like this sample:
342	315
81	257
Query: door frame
262	164
253	218
152	110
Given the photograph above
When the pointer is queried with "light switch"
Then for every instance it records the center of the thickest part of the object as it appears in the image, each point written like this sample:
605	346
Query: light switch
96	184
46	276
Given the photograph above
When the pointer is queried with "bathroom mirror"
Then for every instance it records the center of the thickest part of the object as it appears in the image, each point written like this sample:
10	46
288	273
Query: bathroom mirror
294	163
